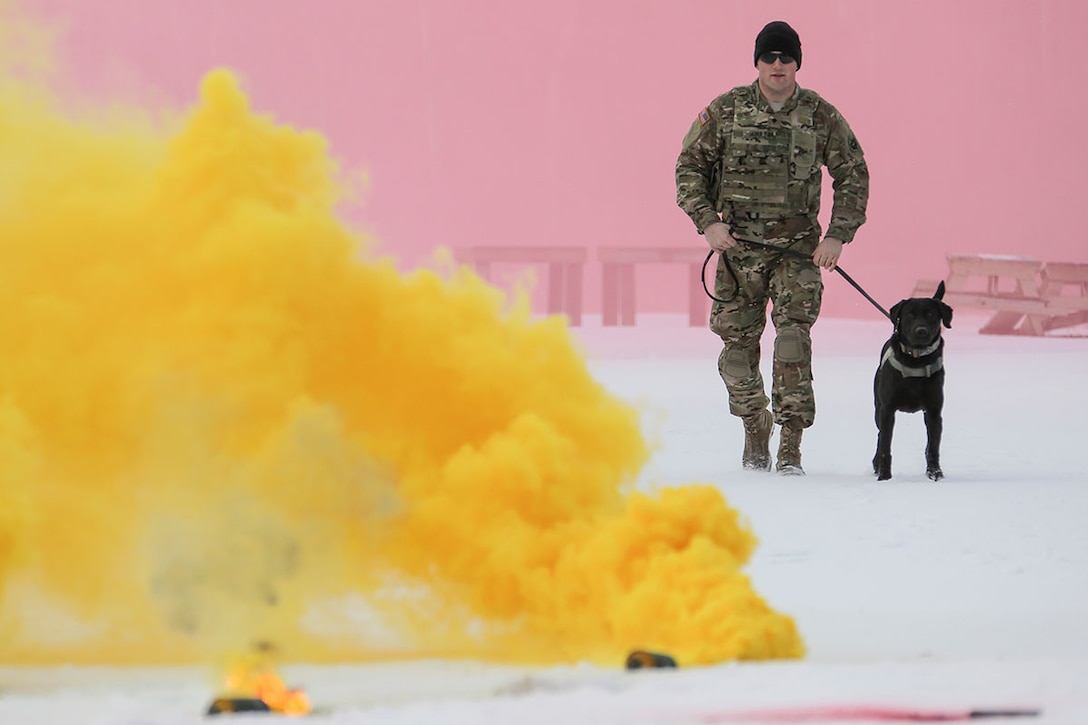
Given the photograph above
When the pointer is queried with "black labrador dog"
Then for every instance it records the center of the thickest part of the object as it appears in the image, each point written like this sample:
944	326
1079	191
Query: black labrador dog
911	378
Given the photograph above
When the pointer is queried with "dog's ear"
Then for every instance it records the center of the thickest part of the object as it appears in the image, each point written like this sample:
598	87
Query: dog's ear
895	311
946	313
939	294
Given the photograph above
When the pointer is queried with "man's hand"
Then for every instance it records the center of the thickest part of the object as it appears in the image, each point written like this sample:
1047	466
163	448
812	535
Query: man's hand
827	252
719	237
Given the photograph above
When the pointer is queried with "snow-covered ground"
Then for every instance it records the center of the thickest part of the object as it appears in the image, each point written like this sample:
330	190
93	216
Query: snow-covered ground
971	593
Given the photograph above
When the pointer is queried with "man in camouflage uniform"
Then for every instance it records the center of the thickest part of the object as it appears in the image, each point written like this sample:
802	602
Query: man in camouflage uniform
750	169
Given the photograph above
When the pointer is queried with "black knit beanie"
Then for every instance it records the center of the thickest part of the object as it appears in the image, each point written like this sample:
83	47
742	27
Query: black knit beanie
778	36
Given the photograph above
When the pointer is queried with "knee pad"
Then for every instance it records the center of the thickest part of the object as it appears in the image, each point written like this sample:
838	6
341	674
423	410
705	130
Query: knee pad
735	363
789	346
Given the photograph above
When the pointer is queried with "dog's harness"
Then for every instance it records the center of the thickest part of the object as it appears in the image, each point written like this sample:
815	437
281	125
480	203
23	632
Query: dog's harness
914	372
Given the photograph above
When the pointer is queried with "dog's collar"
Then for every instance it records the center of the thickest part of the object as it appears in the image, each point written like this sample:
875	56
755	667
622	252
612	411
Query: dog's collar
920	352
912	372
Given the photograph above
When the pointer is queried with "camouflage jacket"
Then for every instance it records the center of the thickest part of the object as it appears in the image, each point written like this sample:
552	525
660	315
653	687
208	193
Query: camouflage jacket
741	157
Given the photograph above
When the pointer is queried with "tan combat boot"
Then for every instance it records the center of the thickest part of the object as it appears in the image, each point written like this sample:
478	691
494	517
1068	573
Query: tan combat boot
757	439
789	450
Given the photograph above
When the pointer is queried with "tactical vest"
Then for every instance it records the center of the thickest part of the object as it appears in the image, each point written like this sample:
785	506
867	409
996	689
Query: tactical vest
771	170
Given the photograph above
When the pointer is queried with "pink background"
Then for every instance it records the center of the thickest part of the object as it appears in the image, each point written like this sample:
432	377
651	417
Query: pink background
495	122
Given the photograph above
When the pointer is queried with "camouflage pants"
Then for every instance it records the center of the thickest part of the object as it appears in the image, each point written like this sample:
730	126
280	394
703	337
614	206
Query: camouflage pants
794	288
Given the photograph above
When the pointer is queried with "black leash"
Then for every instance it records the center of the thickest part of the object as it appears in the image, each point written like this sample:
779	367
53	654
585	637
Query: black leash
783	250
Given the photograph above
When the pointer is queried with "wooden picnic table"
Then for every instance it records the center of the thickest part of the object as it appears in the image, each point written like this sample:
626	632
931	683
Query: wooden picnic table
564	266
1027	296
618	281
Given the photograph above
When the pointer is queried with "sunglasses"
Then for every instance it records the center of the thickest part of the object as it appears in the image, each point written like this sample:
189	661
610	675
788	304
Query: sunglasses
770	58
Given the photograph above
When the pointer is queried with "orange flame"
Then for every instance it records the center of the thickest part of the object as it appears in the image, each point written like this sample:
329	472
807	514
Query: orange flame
254	675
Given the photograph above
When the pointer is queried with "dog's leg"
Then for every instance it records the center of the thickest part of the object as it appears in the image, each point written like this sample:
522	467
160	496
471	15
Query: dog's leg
882	461
934	427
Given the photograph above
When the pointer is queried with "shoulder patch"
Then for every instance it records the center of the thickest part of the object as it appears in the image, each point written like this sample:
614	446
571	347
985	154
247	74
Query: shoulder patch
704	116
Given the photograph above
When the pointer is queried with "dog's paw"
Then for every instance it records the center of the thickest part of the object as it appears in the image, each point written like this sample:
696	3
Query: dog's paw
935	474
882	467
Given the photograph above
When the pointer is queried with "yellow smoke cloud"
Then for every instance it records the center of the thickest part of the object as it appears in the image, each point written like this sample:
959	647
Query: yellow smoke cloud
222	420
